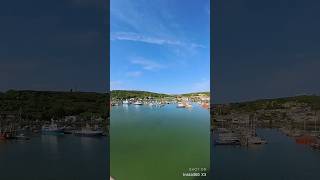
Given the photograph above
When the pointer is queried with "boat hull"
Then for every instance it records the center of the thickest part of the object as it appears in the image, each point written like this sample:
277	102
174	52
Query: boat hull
89	134
53	132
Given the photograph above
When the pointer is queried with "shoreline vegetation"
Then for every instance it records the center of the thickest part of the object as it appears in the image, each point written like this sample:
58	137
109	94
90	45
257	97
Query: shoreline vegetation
79	113
53	112
126	94
297	117
151	98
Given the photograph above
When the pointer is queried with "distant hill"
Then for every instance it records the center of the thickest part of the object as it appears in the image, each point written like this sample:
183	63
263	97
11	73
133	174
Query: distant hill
126	94
311	100
196	93
44	105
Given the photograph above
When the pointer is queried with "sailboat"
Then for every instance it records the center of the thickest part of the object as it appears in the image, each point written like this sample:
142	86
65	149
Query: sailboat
181	105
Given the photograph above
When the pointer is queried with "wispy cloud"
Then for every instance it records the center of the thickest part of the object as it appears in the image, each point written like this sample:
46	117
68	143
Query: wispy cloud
145	22
134	74
131	36
136	15
147	64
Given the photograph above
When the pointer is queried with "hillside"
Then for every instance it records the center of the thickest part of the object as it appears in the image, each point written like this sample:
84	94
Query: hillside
44	105
196	93
310	100
125	94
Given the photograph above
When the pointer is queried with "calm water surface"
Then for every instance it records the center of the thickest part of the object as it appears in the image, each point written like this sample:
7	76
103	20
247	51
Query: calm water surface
50	157
280	159
158	143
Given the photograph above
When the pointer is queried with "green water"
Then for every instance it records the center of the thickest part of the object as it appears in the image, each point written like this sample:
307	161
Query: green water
158	143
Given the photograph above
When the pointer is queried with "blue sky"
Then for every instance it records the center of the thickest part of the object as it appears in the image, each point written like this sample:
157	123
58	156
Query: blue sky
160	45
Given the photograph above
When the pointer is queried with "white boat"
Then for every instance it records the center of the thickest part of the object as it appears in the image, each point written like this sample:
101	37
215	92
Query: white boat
227	139
256	140
181	105
52	128
125	102
21	137
137	103
87	131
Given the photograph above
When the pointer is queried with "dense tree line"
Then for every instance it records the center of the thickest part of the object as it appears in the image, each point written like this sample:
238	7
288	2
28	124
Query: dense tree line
123	94
44	105
311	100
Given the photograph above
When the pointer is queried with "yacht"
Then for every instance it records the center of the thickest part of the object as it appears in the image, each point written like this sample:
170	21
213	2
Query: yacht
188	105
137	103
181	105
87	131
52	128
256	140
21	137
227	139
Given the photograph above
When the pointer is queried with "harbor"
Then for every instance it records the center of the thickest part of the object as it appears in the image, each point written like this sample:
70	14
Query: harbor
150	99
67	126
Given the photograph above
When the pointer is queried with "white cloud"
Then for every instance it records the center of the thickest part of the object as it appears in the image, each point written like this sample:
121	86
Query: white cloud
145	22
130	36
147	64
134	74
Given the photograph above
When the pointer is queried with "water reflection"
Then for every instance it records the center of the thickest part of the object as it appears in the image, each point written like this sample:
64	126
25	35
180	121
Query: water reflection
50	143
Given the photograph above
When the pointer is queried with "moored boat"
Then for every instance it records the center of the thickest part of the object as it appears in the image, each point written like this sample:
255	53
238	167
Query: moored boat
52	129
188	105
87	131
181	105
305	139
2	137
227	139
21	137
315	146
255	140
137	103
